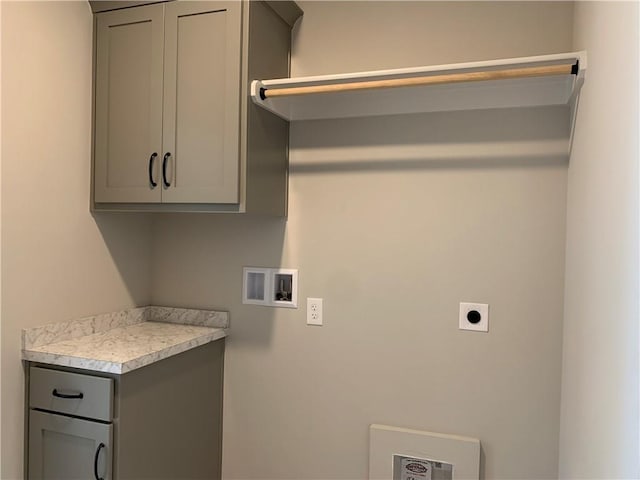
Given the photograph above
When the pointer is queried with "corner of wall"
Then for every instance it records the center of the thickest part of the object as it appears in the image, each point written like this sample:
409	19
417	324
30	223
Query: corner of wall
600	399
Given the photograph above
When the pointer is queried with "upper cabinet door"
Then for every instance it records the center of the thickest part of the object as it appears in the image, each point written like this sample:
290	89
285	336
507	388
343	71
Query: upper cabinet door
202	102
128	121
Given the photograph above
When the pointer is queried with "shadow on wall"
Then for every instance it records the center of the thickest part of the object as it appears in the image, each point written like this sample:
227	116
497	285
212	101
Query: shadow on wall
197	263
128	237
479	139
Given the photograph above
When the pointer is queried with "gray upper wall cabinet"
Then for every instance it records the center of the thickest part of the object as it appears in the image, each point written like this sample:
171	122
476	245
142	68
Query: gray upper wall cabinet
175	129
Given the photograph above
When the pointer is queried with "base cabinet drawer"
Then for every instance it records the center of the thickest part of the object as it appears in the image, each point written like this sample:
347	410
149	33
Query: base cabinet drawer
62	447
71	393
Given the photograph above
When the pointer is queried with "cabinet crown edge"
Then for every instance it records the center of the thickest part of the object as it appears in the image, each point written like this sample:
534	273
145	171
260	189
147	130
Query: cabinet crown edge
289	11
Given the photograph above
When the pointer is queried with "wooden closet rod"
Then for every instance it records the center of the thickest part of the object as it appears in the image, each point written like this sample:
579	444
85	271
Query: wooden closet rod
428	80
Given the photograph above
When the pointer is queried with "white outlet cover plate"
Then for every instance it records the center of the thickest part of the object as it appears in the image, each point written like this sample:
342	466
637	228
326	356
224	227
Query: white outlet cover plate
317	318
465	324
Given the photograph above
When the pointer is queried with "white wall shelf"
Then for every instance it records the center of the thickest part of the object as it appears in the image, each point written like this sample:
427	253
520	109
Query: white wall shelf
555	89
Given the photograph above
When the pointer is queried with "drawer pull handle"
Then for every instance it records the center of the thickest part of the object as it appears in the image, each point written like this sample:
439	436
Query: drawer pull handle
56	393
151	159
164	169
95	461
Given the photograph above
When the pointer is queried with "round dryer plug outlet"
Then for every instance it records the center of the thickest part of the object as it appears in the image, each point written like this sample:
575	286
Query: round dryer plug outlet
474	316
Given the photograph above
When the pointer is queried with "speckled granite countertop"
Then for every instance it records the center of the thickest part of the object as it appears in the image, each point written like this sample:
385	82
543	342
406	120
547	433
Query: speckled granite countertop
123	341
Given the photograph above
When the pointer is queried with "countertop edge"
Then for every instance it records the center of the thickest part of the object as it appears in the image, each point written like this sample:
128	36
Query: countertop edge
171	351
104	366
69	361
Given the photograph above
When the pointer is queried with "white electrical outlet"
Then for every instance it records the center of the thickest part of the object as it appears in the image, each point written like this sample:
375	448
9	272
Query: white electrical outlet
474	316
314	311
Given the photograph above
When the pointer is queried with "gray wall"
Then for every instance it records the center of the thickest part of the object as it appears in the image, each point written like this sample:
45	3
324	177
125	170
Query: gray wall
393	221
600	387
58	263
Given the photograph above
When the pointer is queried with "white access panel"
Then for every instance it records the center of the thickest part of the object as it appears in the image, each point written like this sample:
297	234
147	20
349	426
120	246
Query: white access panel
385	442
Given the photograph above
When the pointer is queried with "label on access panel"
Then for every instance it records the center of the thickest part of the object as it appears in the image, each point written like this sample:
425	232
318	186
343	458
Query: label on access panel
412	468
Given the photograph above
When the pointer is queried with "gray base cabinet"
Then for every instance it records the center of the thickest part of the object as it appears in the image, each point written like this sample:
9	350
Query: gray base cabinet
162	421
174	128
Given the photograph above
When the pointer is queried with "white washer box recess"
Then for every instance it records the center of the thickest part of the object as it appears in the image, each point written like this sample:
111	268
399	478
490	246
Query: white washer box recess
270	287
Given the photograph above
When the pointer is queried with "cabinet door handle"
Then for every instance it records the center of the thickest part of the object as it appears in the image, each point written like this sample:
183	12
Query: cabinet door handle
164	169
95	461
151	159
55	393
